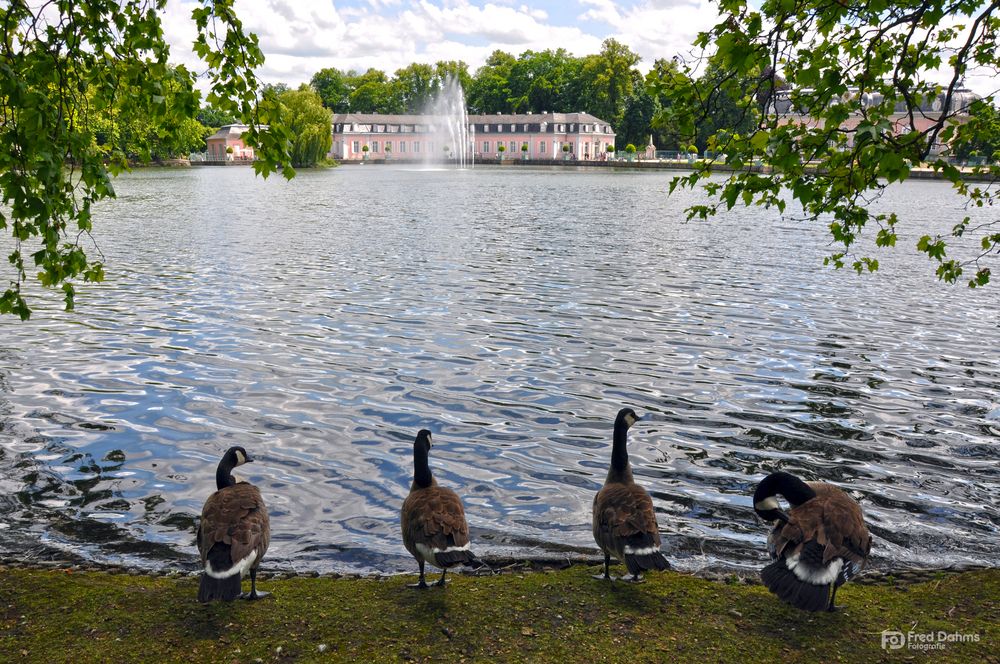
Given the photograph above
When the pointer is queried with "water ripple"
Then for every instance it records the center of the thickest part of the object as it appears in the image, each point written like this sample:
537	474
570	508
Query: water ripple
322	322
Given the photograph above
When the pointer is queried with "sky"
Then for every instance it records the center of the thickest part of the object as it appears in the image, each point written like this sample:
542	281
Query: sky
300	37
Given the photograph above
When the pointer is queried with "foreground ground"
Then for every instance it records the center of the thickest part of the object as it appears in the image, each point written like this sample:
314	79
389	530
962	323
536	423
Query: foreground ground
557	616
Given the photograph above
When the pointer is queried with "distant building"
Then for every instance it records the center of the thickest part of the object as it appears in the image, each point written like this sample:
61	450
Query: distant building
229	136
925	115
419	137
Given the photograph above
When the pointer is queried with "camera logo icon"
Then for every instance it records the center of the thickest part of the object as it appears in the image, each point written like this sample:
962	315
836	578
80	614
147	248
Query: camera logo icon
892	639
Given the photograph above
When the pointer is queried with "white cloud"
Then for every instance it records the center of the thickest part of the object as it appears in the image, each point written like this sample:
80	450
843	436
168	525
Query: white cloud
300	37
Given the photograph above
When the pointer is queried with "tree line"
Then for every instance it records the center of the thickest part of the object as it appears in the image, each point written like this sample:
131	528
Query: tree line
606	84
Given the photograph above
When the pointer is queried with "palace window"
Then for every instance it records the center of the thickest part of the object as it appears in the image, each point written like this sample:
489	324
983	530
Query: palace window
416	146
374	146
541	147
486	146
357	147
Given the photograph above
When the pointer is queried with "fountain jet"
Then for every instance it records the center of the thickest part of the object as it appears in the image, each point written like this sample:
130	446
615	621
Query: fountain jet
451	122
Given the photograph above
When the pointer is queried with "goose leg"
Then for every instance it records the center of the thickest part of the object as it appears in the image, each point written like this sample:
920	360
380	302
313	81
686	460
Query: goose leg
421	583
253	588
832	606
441	581
607	574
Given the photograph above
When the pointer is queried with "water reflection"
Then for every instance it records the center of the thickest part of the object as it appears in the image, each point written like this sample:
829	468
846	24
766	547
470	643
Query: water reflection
321	323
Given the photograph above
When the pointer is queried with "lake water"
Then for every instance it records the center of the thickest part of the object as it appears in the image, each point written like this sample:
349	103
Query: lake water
320	323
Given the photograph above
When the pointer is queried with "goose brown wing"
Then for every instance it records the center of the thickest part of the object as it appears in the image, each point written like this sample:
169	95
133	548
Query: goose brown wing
435	517
235	515
833	520
623	514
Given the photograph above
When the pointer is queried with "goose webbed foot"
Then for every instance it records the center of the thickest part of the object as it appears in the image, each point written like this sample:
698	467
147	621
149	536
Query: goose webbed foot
635	578
421	584
254	594
607	570
832	607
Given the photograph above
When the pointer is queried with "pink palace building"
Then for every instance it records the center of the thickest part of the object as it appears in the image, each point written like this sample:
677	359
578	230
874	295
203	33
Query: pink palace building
574	136
928	112
227	144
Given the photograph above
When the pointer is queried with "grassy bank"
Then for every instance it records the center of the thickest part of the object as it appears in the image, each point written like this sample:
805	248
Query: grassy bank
561	616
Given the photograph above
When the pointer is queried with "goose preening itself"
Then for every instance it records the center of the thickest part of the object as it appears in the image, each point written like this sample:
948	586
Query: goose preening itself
817	546
433	519
624	519
233	534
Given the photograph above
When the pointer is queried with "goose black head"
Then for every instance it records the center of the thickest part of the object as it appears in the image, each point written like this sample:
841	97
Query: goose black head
239	455
234	456
765	501
626	418
423	440
421	469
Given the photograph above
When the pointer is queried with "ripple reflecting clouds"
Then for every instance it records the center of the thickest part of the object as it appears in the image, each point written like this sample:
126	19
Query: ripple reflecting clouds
322	322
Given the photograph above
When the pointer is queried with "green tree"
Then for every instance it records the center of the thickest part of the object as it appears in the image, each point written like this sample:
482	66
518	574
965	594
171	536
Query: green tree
727	111
334	88
309	123
539	81
609	79
489	90
66	64
454	69
980	134
876	64
636	125
416	85
212	117
277	89
374	93
659	83
125	131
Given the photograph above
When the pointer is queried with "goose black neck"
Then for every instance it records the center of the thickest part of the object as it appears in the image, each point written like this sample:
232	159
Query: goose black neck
619	452
421	470
224	474
792	488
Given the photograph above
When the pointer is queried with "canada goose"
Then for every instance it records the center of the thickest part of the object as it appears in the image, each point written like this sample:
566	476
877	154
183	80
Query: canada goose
820	543
432	519
233	534
624	519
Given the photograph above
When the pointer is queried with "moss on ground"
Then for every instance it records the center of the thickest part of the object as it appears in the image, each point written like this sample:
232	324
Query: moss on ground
558	616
